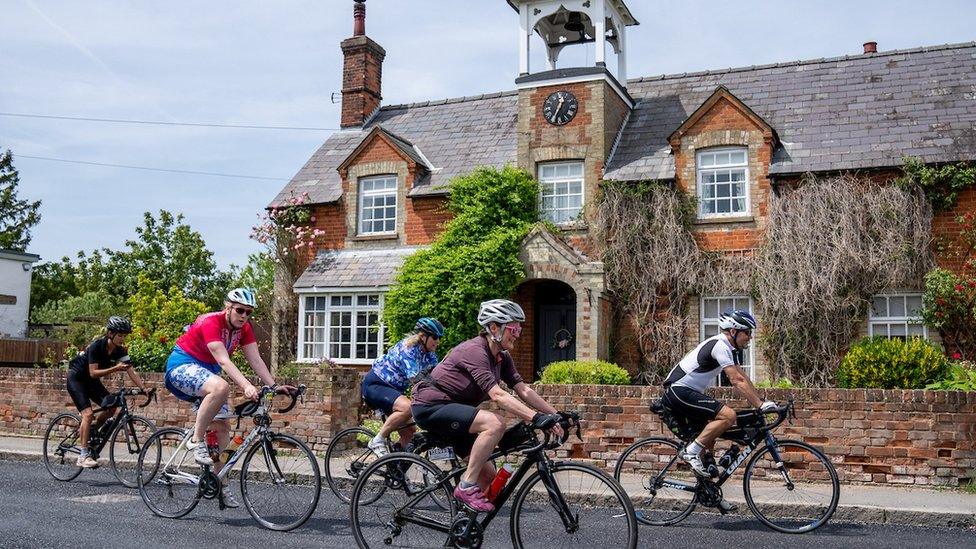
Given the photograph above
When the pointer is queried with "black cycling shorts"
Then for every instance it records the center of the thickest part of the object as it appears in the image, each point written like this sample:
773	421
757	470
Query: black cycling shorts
451	420
84	392
378	394
690	404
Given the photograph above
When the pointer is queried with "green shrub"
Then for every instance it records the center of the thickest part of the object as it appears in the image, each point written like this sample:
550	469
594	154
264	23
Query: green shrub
374	425
961	377
781	383
158	319
880	363
584	372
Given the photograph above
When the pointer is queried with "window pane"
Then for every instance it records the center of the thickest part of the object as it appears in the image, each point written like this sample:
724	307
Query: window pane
914	305
879	306
896	306
722	177
916	330
710	308
722	190
723	206
738	157
708	330
897	330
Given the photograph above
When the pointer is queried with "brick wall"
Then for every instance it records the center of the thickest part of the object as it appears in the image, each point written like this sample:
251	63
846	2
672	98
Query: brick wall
883	437
947	231
30	398
425	219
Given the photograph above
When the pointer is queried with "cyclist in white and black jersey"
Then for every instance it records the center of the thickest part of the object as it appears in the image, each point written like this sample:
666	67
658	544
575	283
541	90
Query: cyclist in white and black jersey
684	388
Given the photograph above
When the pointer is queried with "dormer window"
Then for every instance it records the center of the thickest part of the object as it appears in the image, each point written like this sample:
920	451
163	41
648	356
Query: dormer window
723	182
377	205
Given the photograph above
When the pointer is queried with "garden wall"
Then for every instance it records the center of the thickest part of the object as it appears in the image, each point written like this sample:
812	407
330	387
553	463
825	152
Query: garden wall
876	436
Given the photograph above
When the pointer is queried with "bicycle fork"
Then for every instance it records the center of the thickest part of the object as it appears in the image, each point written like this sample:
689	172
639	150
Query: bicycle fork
778	460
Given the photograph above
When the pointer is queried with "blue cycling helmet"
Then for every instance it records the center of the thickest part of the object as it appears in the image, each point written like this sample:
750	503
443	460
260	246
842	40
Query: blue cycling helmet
739	320
430	326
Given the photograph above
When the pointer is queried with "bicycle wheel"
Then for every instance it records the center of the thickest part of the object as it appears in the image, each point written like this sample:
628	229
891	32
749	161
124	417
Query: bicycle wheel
791	487
397	502
653	475
280	482
124	447
602	514
61	449
168	475
346	459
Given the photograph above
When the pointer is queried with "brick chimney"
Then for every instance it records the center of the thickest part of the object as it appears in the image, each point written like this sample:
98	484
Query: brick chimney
362	71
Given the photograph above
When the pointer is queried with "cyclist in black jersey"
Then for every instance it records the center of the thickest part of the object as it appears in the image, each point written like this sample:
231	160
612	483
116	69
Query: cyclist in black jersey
104	356
684	388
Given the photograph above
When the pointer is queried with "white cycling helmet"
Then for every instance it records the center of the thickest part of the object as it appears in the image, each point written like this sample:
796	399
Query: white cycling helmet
244	296
737	320
501	311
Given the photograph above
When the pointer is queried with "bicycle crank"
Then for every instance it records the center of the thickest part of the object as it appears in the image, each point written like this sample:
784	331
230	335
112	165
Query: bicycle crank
466	532
209	484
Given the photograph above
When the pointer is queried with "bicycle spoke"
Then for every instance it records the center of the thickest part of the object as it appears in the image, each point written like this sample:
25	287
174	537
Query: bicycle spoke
651	473
60	447
167	474
124	448
280	482
346	458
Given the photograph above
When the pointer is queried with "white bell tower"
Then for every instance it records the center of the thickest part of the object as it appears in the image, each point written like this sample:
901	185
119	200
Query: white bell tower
563	23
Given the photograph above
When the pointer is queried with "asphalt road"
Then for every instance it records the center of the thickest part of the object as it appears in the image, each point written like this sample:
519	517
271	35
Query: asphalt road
95	511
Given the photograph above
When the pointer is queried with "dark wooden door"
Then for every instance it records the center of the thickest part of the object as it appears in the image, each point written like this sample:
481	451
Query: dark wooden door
555	334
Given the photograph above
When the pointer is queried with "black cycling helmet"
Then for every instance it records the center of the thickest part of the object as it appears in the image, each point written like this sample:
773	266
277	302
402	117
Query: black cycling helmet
118	325
430	326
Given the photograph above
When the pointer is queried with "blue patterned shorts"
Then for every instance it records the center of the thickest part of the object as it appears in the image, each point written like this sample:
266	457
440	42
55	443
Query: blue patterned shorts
186	382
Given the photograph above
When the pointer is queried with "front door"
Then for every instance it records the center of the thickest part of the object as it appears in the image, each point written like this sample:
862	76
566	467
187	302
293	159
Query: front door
555	334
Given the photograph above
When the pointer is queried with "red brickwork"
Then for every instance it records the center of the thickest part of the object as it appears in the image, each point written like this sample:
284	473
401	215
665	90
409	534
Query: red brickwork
425	219
946	231
524	352
362	73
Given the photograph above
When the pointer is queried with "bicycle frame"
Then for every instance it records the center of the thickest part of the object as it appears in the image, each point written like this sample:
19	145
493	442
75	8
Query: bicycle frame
748	450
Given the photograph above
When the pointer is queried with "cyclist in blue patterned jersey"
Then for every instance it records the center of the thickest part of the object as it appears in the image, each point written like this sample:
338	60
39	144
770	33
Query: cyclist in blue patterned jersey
393	373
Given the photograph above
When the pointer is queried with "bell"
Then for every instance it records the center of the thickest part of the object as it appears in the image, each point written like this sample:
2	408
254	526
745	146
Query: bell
575	23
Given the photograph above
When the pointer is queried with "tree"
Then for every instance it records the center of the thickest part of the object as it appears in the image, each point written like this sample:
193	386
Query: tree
17	216
258	274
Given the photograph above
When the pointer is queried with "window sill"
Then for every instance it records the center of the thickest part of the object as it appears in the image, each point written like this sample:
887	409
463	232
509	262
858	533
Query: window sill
725	220
369	237
577	225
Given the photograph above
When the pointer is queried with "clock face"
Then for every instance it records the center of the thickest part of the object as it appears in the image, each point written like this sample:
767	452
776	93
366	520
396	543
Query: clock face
560	107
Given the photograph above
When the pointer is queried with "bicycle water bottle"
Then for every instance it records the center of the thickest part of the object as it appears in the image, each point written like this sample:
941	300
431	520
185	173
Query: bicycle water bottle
729	457
212	445
501	477
231	448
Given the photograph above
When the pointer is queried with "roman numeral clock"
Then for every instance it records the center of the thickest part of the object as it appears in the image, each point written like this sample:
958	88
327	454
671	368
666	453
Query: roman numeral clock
560	107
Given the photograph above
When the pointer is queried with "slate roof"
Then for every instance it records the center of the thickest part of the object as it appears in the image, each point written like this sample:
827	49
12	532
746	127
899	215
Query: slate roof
353	268
851	112
455	135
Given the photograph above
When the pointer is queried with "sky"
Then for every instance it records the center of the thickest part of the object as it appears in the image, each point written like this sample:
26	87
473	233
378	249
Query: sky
278	63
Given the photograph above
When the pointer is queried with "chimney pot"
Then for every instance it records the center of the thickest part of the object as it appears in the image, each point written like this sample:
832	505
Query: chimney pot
359	18
870	47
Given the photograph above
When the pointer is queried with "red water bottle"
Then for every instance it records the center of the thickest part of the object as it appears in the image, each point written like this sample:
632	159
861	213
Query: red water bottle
497	483
212	445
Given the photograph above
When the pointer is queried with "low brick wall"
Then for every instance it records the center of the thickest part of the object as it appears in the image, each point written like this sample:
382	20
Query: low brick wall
30	398
886	437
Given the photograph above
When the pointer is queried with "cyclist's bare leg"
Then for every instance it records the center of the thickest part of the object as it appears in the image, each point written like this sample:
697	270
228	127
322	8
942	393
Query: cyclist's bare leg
86	421
489	428
222	428
217	390
401	416
723	421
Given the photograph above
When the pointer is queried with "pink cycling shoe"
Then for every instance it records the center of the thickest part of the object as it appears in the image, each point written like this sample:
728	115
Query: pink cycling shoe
474	498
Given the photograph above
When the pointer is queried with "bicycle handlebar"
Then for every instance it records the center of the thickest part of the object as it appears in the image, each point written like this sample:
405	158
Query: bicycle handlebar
248	408
783	413
549	442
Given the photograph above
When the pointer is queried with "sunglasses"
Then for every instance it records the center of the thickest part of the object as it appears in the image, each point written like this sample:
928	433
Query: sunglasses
244	312
516	329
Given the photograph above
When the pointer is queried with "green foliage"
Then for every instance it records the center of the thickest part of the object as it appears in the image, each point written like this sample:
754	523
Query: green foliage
881	363
941	184
84	315
17	216
584	372
949	305
258	274
961	377
474	259
158	319
781	383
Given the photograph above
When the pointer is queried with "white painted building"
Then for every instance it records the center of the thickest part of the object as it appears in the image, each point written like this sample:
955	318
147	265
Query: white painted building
15	283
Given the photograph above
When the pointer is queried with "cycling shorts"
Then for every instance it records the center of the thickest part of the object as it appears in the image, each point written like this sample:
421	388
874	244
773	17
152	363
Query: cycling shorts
84	392
378	394
450	420
690	404
185	378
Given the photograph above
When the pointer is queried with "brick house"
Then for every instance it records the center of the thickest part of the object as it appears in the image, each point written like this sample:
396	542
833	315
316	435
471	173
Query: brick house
730	137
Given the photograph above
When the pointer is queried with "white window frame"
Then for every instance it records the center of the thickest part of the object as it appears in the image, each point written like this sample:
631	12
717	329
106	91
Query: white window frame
748	361
548	214
701	170
887	321
374	194
326	343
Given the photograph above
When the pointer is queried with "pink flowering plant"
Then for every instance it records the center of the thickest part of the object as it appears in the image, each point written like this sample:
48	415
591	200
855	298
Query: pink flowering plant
950	298
288	230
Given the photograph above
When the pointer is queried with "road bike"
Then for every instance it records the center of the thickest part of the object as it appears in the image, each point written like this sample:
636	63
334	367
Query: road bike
789	485
279	476
125	434
405	500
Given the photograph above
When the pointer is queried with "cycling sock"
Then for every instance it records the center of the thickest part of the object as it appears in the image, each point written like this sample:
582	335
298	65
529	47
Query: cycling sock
694	448
465	484
378	439
84	452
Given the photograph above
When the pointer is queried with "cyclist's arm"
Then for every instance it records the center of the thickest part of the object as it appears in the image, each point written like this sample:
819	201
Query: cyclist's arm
219	353
253	357
743	384
97	372
135	378
509	403
532	398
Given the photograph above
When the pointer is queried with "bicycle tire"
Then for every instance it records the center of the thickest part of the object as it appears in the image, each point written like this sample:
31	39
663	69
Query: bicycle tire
126	470
60	447
655	504
371	523
792	460
298	473
613	501
346	458
158	485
